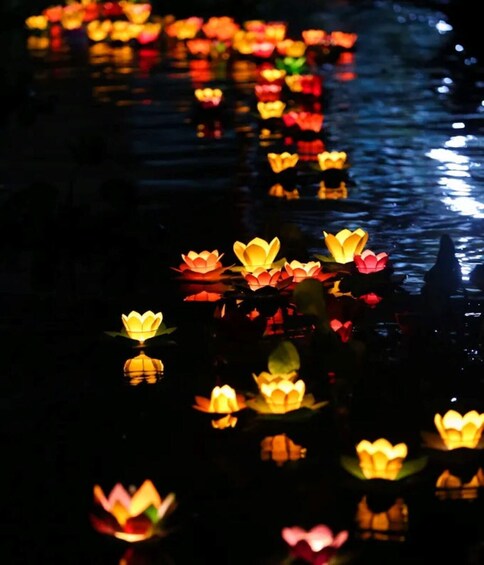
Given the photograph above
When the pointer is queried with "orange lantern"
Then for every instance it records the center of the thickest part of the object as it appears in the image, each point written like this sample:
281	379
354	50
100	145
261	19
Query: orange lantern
458	430
381	459
223	400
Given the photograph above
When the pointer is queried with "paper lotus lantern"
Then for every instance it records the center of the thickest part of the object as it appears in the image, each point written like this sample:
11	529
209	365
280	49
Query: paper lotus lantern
266	377
137	13
291	48
282	161
72	16
381	459
223	400
221	28
332	160
343	329
98	30
305	121
301	271
272	75
149	32
311	85
315	36
281	449
275	31
268	110
143	369
225	422
141	327
316	546
133	516
204	265
449	486
283	396
369	262
261	278
53	13
209	97
343	39
38	23
293	65
388	525
458	430
258	253
345	244
268	92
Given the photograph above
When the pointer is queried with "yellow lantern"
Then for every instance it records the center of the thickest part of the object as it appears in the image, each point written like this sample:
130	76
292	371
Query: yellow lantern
332	160
345	244
143	369
141	327
281	161
136	13
273	109
281	449
73	16
283	396
265	377
388	525
38	23
460	431
381	459
223	400
272	75
98	30
258	253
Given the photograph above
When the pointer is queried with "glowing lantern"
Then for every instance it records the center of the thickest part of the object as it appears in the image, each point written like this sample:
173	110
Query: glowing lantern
315	36
262	49
149	33
72	16
342	329
143	369
292	66
388	525
345	244
98	30
343	40
209	97
283	396
332	160
111	10
261	277
449	486
371	299
225	422
53	13
222	28
203	296
121	31
316	546
272	75
291	48
257	253
330	193
137	13
36	43
458	430
38	23
300	271
223	400
199	46
268	92
205	265
275	31
141	327
381	459
281	449
305	121
305	84
184	29
282	161
278	191
132	516
273	109
368	262
265	378
308	149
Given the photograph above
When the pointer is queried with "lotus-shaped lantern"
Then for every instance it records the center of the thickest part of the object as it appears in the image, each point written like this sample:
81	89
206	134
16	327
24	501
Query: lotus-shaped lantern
369	262
205	265
141	327
332	160
345	244
133	516
223	400
381	459
316	546
268	110
283	396
301	271
258	253
282	161
458	430
343	329
262	278
209	98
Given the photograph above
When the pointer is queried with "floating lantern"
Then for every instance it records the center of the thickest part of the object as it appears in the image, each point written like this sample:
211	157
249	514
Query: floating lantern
209	98
266	377
149	33
223	400
137	13
332	160
390	524
37	23
141	327
291	48
98	30
133	516
261	278
258	253
345	244
301	271
185	28
53	13
72	16
343	329
142	368
381	459
316	546
281	449
272	75
458	430
282	161
315	36
199	46
368	262
292	66
305	84
205	265
221	28
268	92
343	40
268	110
283	396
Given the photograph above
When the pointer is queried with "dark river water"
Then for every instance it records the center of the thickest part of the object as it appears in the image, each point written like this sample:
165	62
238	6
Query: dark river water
109	174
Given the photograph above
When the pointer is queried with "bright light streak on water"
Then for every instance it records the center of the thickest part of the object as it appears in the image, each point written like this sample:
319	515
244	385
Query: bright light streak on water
466	206
443	27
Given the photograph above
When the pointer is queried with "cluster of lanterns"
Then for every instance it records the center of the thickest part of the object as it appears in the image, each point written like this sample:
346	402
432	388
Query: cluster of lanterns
137	514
